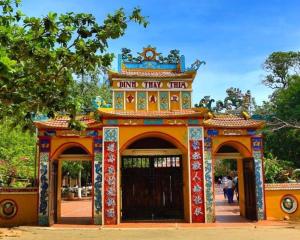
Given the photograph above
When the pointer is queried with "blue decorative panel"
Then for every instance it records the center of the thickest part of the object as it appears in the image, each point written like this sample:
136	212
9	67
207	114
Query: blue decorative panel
257	143
212	132
151	65
119	100
112	122
186	100
251	131
141	101
98	180
164	100
98	145
44	145
193	121
92	133
44	189
153	121
195	133
110	134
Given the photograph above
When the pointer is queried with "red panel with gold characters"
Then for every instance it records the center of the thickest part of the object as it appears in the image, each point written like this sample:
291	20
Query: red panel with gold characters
196	170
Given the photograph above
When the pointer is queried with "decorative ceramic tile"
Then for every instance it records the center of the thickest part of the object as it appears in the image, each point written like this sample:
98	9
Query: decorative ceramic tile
98	180
141	101
44	189
111	134
164	100
208	181
257	155
119	100
110	147
195	133
186	100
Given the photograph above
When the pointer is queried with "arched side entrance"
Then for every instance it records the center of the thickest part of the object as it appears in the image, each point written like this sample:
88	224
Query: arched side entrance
71	192
152	180
234	164
250	146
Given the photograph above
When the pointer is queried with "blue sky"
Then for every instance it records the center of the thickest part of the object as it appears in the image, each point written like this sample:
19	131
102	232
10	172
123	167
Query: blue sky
234	37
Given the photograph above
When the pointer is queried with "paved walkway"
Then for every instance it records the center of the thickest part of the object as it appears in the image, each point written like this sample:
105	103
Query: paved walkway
225	212
77	212
250	233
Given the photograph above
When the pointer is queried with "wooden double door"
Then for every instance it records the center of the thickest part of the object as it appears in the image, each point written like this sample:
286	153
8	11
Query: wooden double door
152	187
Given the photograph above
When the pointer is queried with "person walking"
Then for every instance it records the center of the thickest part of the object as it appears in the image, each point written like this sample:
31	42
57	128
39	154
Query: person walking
236	187
230	189
224	186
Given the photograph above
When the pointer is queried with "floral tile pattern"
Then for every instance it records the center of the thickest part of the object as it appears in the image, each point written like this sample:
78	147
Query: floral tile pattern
257	155
110	148
43	211
208	181
98	180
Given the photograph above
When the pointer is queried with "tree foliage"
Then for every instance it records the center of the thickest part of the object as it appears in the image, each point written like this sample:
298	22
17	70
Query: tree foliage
17	154
40	57
281	66
282	134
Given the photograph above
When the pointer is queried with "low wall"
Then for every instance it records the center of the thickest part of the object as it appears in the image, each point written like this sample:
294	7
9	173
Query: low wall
18	206
282	201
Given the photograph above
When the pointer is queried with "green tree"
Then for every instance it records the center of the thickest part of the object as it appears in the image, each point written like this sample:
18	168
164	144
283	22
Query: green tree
17	155
282	134
41	57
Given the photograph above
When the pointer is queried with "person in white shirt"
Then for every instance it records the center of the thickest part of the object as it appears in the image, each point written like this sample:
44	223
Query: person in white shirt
224	186
230	189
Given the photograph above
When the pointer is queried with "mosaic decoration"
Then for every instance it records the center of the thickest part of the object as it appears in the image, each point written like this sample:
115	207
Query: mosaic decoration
289	204
158	121
8	209
164	100
44	189
141	101
208	181
257	155
98	180
196	174
186	100
119	100
212	132
110	148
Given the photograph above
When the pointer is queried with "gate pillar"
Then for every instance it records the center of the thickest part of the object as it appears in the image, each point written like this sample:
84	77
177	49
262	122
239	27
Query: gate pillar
97	168
110	175
208	181
44	157
259	180
195	160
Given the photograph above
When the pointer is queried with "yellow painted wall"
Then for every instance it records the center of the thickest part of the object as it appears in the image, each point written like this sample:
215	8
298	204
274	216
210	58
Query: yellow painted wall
27	208
152	106
58	144
242	143
175	105
273	199
130	106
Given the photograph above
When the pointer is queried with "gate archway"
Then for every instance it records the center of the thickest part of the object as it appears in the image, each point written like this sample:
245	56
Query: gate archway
245	173
152	177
